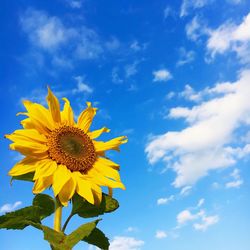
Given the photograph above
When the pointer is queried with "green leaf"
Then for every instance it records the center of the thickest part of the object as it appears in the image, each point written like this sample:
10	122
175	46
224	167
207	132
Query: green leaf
81	232
45	203
56	239
43	206
97	238
24	177
87	210
20	218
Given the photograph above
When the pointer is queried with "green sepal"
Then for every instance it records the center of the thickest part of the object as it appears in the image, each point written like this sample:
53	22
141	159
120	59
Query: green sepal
97	238
87	210
20	218
23	177
45	203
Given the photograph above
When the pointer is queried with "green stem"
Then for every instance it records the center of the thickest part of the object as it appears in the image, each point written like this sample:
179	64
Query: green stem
58	216
67	221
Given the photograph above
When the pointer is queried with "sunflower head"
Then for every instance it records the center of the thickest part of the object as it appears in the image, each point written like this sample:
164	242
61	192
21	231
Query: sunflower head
63	153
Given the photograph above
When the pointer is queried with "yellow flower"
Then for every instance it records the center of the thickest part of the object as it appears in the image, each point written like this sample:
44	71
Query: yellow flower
64	154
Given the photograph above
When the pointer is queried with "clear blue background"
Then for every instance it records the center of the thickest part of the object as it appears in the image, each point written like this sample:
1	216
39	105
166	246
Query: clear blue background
131	104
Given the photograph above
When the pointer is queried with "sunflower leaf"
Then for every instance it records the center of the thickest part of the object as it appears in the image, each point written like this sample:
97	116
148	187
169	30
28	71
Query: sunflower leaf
86	210
97	238
23	177
21	218
45	203
56	239
80	233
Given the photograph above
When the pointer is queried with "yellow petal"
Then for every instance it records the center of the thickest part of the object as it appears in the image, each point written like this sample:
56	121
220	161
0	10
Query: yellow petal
67	114
28	135
96	133
108	163
54	106
28	124
67	191
106	170
42	183
30	148
97	193
83	188
25	166
112	144
39	116
104	181
60	177
86	117
45	168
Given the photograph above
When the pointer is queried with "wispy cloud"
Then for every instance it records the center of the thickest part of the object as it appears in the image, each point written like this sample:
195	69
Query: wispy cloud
6	208
160	234
162	201
125	243
206	221
231	37
162	75
237	181
131	229
63	43
81	86
200	220
189	5
207	142
185	57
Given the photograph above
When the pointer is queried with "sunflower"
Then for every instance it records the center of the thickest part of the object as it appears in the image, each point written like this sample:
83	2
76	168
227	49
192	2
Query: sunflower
64	154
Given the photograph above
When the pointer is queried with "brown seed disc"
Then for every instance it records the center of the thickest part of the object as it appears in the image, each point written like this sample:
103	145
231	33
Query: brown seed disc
71	147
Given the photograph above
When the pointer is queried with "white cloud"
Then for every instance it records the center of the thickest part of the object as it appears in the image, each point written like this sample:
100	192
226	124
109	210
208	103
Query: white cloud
162	201
125	243
237	181
201	202
45	31
200	220
185	56
185	190
75	4
188	5
168	12
6	208
186	216
62	42
204	144
170	95
115	76
189	94
160	234
131	69
206	222
231	37
136	46
81	86
162	75
131	229
195	28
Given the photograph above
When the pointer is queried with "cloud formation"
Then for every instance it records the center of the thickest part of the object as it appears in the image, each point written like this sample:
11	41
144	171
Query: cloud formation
6	208
207	141
125	243
231	37
162	75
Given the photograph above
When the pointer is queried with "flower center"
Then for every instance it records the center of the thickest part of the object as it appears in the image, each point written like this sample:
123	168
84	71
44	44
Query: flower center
71	147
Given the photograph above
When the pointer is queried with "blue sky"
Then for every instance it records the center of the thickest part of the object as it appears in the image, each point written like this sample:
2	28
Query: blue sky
174	77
